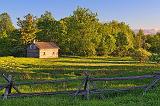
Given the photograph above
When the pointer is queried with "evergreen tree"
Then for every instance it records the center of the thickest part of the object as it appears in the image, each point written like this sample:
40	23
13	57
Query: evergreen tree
6	28
6	25
138	39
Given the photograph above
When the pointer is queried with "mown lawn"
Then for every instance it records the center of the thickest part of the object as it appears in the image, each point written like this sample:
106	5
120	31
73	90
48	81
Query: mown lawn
32	69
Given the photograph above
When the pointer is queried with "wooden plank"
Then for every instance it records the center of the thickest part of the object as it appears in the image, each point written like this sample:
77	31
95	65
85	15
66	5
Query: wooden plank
157	73
7	79
3	86
9	87
46	82
122	78
40	94
88	91
85	82
152	84
16	88
79	88
119	89
86	87
73	92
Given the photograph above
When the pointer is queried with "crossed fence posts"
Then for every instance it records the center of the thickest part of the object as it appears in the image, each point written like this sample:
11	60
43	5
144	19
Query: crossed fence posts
9	86
86	87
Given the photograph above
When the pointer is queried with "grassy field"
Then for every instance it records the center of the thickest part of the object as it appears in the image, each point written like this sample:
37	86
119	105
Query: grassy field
32	69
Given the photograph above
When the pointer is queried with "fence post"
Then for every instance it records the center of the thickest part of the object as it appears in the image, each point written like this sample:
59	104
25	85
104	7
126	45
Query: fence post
8	89
153	83
86	86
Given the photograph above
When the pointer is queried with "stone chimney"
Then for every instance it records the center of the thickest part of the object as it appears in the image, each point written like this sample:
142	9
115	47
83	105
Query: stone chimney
34	41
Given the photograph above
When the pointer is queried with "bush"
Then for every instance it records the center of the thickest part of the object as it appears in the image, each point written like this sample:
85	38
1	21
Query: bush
142	55
120	51
155	58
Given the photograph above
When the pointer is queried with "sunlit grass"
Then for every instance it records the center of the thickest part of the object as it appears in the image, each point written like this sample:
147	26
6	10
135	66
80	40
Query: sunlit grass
34	69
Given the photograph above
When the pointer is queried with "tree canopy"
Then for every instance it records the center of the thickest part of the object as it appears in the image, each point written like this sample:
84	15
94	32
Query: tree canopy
80	34
28	29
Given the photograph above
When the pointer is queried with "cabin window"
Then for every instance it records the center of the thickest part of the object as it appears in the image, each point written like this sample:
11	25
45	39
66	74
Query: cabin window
44	53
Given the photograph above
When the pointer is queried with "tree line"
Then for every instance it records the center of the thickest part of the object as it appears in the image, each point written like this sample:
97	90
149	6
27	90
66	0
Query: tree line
80	34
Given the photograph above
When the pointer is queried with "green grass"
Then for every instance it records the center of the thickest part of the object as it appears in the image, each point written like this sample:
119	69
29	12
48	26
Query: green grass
32	69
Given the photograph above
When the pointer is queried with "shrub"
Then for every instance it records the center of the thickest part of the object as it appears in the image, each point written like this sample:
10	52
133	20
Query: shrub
120	51
155	58
142	55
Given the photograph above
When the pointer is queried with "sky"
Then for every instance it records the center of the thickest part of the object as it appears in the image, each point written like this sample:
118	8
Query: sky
143	14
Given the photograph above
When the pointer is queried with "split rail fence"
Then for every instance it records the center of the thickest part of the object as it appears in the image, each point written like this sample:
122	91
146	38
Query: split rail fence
86	87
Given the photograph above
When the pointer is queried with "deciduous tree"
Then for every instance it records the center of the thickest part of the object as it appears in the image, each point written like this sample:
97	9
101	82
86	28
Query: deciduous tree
28	29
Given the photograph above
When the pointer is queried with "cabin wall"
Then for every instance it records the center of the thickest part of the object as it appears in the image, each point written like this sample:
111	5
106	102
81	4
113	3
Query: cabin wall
48	53
33	52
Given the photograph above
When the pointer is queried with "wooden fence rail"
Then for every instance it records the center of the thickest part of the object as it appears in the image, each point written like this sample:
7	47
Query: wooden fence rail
86	87
47	82
122	78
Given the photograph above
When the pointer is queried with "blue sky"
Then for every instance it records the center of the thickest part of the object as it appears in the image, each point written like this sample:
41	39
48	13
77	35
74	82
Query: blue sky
137	13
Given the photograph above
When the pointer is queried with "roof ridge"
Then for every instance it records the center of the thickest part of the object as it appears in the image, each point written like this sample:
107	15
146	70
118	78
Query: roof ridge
46	45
